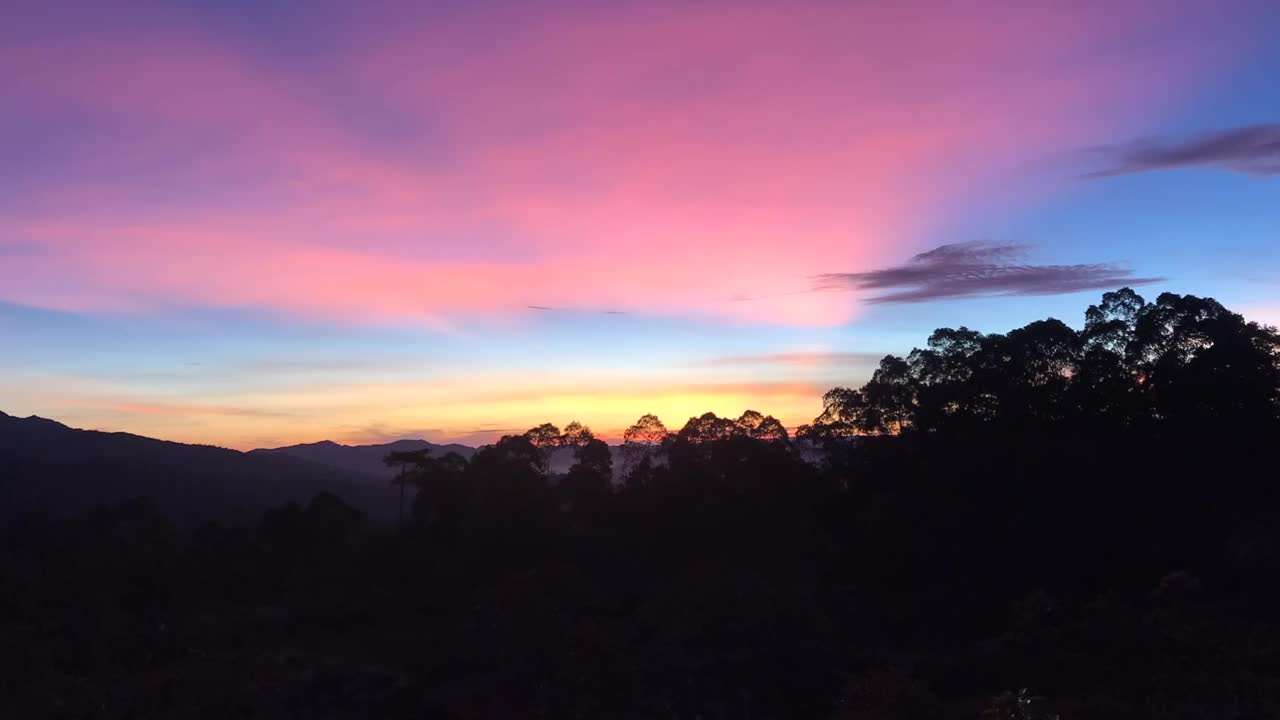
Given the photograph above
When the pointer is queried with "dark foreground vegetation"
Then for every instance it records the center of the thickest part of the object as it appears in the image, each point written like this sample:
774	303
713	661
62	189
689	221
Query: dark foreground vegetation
1091	515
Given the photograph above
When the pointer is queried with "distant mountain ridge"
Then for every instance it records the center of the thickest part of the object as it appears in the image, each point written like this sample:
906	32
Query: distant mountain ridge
47	466
364	459
369	459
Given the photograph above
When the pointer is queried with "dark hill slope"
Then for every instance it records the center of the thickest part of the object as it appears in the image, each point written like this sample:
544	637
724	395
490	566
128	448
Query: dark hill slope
47	466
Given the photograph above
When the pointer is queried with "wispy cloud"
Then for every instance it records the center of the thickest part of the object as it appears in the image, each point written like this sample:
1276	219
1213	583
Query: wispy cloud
548	308
305	365
977	270
1250	150
798	359
179	410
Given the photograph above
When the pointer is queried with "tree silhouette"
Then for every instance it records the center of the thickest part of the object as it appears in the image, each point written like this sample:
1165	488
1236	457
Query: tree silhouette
546	438
707	428
576	435
641	442
1110	325
648	430
587	483
443	494
545	435
410	464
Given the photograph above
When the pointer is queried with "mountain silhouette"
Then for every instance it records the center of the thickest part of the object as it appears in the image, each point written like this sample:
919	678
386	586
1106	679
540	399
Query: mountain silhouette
366	460
46	466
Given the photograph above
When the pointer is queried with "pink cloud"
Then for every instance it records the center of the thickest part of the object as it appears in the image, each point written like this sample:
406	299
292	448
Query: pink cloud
673	159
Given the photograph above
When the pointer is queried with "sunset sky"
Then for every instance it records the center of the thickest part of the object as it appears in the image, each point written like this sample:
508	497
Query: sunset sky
258	223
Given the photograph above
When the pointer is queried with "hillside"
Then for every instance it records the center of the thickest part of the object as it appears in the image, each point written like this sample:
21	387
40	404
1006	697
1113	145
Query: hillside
47	466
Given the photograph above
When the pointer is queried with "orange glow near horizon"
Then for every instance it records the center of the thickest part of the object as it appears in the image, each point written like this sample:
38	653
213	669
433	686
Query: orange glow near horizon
376	413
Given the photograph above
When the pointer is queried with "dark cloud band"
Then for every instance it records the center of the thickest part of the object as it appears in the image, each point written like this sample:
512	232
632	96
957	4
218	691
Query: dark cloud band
976	270
1251	150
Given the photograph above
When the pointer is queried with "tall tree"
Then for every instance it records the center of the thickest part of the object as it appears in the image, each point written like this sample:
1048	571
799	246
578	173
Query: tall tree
587	483
641	442
546	438
410	464
576	435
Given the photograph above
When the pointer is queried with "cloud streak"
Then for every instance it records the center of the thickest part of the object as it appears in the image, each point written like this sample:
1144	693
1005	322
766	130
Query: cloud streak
799	359
548	308
1250	150
967	270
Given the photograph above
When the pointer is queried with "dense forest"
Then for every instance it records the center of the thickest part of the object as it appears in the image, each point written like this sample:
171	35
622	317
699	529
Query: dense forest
1045	523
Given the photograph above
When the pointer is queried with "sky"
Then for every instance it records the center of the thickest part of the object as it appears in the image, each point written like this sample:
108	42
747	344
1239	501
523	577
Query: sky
260	223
